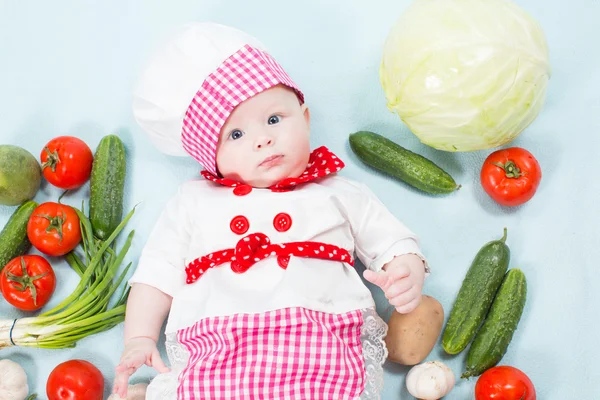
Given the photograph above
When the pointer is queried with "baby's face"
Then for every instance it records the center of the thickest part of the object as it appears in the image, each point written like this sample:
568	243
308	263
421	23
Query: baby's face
265	139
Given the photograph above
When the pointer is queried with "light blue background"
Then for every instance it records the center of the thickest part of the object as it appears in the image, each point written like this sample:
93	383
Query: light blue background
68	67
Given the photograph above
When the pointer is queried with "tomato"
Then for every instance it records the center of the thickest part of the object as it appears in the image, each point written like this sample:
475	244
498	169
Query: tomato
27	282
75	380
53	229
504	383
66	162
511	176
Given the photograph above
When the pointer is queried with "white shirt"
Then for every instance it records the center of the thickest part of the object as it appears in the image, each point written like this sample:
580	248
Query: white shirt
332	210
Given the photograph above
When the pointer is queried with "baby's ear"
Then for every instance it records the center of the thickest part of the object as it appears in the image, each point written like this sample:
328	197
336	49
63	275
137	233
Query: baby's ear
306	113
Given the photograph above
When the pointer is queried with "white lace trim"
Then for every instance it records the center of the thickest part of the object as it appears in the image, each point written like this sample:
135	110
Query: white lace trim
372	334
177	353
164	386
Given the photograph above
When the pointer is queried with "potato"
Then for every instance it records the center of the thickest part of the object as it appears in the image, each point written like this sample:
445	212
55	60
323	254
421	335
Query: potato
411	336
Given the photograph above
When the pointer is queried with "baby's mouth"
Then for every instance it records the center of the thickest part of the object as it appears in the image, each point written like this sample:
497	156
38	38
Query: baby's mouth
271	160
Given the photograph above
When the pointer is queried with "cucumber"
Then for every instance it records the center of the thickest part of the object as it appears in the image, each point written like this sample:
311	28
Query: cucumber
476	295
492	340
393	159
107	183
13	238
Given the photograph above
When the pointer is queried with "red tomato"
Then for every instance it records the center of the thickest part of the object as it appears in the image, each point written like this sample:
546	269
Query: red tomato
53	229
27	282
75	380
511	176
504	383
66	162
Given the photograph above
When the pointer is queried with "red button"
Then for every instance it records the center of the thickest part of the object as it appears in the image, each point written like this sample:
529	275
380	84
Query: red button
283	261
239	225
242	190
282	222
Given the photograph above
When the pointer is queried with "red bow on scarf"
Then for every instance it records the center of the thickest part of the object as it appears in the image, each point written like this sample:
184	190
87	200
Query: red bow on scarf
322	162
256	247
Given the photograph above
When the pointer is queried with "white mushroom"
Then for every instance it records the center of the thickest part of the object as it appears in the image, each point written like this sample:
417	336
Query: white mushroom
430	381
13	381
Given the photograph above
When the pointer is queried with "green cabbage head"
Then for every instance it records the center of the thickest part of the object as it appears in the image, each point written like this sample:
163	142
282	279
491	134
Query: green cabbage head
465	75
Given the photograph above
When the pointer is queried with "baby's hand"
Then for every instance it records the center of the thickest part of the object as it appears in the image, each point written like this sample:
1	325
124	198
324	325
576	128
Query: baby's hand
401	280
138	351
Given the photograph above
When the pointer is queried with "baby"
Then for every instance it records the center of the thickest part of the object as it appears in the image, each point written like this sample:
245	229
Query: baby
254	262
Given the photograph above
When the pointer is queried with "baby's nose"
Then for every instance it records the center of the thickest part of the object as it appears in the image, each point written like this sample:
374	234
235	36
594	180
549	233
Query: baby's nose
263	142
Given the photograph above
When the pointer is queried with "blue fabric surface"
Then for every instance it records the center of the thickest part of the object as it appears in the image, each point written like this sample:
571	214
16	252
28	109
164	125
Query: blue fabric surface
68	68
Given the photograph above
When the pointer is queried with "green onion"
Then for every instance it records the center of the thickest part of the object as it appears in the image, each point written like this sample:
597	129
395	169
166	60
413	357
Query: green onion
91	307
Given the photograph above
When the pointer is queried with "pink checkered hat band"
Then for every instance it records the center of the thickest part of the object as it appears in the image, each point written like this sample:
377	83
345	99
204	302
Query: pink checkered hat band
244	74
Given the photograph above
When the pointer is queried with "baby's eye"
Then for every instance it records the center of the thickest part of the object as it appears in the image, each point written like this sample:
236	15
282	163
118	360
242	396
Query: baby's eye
236	134
273	119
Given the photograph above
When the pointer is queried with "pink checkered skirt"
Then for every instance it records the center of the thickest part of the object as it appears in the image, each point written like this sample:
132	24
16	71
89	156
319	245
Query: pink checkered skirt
292	353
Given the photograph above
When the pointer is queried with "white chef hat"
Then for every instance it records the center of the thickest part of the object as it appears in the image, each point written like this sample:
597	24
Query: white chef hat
194	81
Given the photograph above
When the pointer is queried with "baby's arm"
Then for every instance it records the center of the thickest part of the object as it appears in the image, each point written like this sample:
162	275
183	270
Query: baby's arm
389	250
159	276
142	328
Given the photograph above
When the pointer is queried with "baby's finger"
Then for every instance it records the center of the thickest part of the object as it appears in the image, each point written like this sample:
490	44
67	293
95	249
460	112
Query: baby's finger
125	370
131	361
125	365
121	368
397	288
407	308
380	278
120	384
405	297
399	271
158	363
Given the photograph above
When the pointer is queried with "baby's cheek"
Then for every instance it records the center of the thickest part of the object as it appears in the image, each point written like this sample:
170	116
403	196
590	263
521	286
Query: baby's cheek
230	164
301	157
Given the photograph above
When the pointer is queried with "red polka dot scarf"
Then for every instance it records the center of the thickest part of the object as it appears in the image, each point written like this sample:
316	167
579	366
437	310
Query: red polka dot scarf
322	162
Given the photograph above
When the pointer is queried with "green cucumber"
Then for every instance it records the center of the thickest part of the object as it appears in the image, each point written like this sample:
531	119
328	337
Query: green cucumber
13	238
107	183
492	340
386	156
476	295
